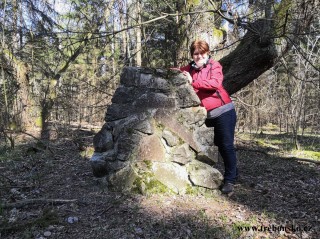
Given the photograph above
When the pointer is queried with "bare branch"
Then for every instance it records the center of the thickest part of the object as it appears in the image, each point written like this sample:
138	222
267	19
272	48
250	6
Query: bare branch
28	202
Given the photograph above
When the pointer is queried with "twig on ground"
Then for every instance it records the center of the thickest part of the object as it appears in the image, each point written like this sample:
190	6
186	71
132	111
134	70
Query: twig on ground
304	160
105	210
37	201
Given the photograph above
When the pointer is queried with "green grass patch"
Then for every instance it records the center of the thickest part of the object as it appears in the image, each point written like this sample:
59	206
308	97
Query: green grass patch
306	154
87	153
206	192
270	127
284	143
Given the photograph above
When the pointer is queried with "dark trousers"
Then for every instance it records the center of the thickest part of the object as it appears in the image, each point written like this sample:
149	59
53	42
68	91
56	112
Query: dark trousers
224	127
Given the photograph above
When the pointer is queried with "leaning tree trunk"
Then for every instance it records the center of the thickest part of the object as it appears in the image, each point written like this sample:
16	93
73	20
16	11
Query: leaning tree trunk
255	54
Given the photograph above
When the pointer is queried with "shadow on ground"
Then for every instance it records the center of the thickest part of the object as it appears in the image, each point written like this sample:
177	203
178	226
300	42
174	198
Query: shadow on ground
271	190
48	191
285	189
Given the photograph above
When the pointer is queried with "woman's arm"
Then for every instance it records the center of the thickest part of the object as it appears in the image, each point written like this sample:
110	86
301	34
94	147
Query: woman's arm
214	79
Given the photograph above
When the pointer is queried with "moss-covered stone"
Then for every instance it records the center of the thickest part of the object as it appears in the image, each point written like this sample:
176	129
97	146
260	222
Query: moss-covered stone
203	175
146	184
123	179
172	175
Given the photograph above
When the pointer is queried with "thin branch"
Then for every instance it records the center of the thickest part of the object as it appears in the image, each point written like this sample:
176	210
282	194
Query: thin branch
285	23
291	73
28	202
246	104
301	53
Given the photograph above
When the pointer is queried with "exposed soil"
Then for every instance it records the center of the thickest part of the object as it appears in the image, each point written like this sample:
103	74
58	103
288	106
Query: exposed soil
51	193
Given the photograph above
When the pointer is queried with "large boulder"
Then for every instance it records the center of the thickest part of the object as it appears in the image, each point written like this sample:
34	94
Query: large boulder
154	134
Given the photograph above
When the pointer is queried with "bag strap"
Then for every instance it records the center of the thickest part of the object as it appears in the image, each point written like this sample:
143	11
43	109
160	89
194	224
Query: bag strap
191	67
218	94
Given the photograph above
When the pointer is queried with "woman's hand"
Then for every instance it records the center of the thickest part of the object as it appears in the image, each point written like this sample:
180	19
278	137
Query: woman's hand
187	74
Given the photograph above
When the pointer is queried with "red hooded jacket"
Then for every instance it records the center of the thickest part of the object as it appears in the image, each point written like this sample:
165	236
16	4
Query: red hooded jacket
207	83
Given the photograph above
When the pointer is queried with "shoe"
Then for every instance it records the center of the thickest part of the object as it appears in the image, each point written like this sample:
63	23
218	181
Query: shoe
227	188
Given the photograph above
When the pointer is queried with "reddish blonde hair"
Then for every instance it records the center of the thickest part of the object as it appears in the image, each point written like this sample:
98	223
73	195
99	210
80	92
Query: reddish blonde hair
200	45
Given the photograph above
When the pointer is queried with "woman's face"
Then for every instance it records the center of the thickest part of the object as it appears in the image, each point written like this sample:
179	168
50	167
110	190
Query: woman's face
199	59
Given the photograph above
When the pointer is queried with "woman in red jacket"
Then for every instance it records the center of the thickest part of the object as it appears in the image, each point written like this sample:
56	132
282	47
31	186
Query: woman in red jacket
205	75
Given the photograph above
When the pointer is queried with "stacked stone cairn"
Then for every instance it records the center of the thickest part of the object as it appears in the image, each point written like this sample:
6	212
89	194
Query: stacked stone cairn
154	137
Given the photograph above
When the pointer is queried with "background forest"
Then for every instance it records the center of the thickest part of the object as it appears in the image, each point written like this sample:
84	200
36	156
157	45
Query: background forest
61	59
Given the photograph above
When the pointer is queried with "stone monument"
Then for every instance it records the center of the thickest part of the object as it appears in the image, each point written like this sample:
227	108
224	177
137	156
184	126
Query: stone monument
154	137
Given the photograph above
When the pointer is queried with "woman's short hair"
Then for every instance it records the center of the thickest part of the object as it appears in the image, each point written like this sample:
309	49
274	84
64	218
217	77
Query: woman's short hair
200	45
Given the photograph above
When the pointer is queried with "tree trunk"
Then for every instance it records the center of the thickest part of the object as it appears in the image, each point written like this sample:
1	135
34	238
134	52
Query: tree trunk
255	54
138	35
122	21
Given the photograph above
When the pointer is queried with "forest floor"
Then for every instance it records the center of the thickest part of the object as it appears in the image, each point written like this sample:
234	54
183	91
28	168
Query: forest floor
51	193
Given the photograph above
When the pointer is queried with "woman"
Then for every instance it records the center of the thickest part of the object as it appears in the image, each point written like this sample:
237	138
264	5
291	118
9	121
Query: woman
205	75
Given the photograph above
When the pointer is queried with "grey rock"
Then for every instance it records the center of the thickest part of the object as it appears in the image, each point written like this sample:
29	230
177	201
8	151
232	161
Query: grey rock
203	175
106	156
172	175
122	180
170	138
114	166
72	220
138	231
204	136
154	100
144	127
161	73
182	154
120	111
103	141
99	166
177	78
100	163
187	97
209	156
124	95
127	124
170	121
130	76
150	149
47	233
127	144
146	79
193	116
154	83
145	70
